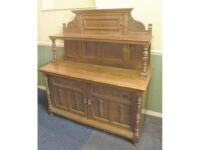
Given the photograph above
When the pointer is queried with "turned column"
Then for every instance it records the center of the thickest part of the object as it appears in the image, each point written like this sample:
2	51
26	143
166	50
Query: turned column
145	61
54	53
48	96
145	55
150	28
137	119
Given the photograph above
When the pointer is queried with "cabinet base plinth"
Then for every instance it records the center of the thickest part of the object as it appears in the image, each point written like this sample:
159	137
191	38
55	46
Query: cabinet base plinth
102	126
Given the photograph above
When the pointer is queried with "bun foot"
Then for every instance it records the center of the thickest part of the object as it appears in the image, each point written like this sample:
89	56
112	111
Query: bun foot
135	141
51	114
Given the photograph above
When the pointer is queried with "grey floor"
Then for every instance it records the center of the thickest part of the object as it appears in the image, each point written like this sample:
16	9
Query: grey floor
57	133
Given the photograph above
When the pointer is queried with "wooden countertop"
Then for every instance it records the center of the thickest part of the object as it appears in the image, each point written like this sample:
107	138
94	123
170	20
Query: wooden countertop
126	78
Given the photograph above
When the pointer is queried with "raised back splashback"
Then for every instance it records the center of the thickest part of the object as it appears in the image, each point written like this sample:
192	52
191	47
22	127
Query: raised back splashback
104	21
105	27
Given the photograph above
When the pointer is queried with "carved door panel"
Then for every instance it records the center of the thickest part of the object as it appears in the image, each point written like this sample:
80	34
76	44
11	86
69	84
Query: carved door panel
76	102
68	95
120	114
98	108
110	105
60	98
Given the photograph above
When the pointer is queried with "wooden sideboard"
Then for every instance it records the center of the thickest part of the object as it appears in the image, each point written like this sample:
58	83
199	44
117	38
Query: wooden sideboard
102	79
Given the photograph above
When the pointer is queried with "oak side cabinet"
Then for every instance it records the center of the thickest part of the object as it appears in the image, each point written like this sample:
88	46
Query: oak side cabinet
103	76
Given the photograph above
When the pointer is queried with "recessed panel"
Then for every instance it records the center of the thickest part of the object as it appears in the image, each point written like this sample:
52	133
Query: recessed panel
112	51
102	24
90	50
100	108
73	49
60	98
120	114
136	56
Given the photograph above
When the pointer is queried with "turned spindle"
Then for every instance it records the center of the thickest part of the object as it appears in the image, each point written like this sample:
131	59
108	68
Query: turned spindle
138	118
48	96
150	27
145	61
54	49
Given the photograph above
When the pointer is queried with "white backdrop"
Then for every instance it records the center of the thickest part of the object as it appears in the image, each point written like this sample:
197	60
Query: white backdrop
67	4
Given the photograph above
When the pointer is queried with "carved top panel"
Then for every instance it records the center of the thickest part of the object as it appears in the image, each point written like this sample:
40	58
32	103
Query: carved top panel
85	39
110	22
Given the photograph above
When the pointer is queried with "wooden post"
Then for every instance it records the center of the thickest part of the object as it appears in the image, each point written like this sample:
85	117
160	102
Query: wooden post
150	28
145	57
138	118
54	49
150	31
48	96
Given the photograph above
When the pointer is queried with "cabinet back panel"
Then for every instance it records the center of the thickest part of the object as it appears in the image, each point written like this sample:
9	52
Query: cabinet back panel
102	53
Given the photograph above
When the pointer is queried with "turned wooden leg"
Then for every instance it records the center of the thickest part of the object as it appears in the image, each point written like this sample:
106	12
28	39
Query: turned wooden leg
138	120
48	96
50	113
135	141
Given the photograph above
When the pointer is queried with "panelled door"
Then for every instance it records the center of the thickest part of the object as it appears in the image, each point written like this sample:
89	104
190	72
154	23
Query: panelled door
110	105
68	95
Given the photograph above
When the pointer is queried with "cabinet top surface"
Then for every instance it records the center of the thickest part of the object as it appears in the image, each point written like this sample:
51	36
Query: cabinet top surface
126	78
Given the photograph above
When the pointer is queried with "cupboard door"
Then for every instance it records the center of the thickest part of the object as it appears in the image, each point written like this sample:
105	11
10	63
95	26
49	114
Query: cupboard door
105	106
68	94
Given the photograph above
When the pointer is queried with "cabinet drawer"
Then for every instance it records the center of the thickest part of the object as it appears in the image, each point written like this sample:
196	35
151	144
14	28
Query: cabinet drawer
110	93
67	83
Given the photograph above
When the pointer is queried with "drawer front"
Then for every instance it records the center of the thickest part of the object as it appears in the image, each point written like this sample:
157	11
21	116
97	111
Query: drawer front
111	93
68	83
